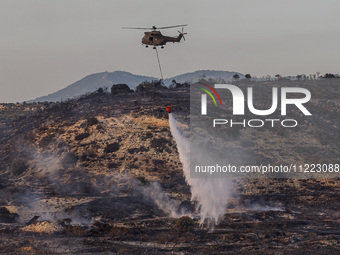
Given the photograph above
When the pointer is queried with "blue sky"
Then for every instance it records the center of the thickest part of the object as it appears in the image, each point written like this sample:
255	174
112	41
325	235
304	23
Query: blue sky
46	45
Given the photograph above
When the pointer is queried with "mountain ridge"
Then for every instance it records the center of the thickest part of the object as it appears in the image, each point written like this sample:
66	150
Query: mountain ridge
92	82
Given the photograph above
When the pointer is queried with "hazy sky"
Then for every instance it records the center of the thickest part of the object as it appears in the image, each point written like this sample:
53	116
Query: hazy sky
46	45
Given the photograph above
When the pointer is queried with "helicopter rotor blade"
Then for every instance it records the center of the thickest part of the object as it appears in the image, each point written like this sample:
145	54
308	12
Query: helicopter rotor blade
153	27
144	28
181	33
171	26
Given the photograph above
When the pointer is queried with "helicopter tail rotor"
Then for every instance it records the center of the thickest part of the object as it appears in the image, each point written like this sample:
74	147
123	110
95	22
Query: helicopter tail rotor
182	33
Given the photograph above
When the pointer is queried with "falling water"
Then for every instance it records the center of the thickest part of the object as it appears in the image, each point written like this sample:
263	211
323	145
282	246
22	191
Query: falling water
211	194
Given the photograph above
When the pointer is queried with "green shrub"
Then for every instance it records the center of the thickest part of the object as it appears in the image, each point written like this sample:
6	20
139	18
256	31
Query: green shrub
19	166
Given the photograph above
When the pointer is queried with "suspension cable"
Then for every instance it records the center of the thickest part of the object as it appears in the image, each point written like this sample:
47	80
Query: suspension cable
159	63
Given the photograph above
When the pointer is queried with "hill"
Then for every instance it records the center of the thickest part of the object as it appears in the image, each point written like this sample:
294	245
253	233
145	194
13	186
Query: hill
207	74
103	173
95	81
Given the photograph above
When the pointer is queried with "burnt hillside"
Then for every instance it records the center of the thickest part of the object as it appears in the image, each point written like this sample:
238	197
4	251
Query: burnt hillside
102	175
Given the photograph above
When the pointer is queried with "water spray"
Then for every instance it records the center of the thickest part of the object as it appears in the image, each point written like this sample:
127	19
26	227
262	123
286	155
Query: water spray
211	194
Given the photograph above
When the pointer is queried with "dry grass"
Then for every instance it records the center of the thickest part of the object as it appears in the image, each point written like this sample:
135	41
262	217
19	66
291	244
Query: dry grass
153	121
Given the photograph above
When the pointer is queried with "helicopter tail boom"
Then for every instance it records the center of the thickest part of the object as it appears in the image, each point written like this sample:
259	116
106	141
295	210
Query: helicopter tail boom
178	38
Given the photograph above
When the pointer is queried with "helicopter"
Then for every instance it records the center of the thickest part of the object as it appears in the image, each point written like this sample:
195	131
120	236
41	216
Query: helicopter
155	38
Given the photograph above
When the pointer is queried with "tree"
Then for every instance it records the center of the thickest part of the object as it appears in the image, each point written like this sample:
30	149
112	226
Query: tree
185	84
329	75
236	77
147	86
173	84
120	88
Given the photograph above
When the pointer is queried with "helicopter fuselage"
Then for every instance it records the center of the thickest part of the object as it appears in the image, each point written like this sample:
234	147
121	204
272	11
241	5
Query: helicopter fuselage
156	38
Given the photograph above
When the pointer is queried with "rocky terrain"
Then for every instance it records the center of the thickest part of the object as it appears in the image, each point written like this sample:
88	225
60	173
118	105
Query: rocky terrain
103	175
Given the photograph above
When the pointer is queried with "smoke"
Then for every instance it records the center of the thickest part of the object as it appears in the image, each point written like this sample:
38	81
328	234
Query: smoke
54	191
211	194
154	192
38	204
49	191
